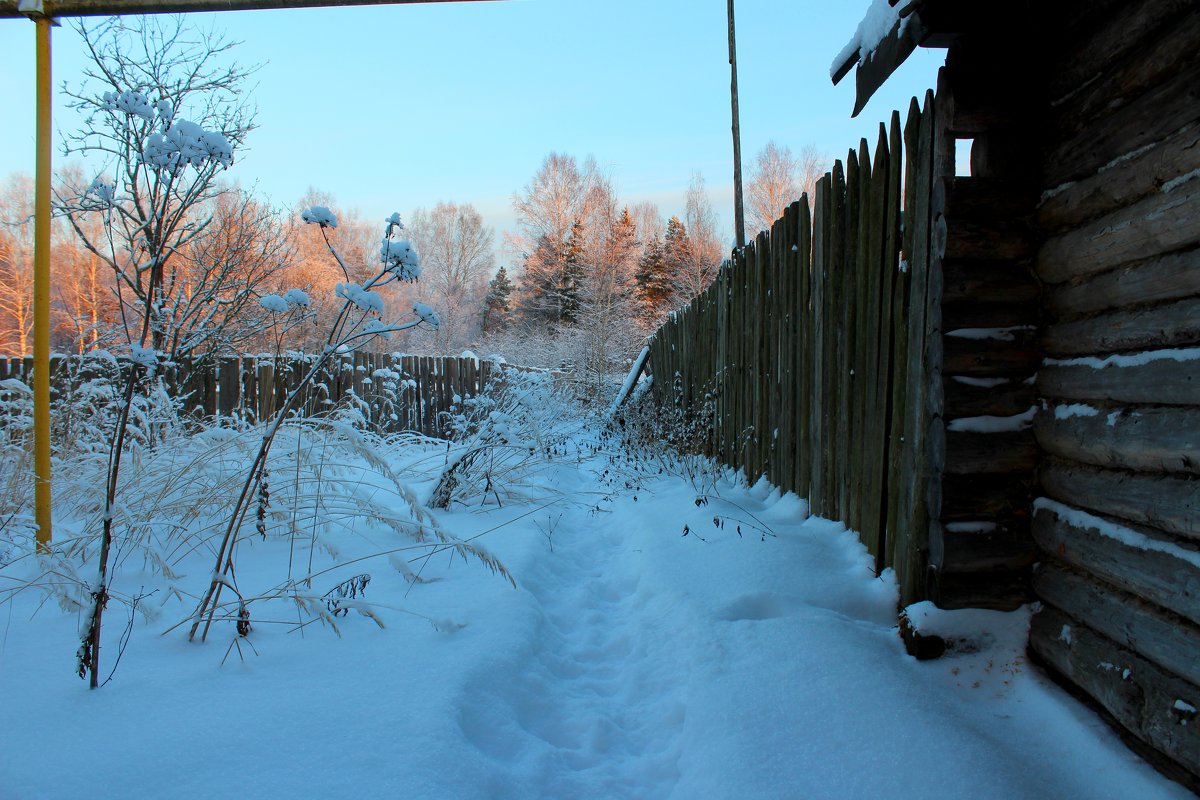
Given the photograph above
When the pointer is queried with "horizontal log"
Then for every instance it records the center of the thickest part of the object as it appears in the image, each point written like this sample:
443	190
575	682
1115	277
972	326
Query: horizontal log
988	282
992	453
979	496
1168	502
991	357
1174	324
1146	438
1149	118
981	89
1121	185
1140	696
1149	564
981	314
1156	634
1099	32
1000	591
986	551
1166	381
997	238
1158	224
1009	149
1161	278
970	399
982	200
1174	47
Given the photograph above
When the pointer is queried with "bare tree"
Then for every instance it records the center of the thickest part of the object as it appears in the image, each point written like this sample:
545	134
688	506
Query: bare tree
702	258
607	332
16	265
778	179
310	268
146	75
457	257
84	301
647	221
551	208
216	280
773	185
164	112
811	165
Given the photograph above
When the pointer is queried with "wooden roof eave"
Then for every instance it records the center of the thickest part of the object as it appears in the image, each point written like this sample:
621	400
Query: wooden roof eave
86	8
922	23
887	57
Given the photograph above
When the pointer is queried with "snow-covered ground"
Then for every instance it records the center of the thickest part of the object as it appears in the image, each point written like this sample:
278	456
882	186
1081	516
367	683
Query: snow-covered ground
629	661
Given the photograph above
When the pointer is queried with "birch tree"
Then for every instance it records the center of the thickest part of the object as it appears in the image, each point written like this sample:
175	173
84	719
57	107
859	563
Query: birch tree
16	266
457	256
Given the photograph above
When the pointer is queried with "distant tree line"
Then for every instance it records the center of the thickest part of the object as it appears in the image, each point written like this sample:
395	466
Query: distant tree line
588	275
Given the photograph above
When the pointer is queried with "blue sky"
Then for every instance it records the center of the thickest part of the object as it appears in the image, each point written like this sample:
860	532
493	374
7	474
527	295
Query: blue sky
394	107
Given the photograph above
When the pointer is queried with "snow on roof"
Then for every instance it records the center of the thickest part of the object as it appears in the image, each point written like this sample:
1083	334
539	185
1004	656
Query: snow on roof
879	21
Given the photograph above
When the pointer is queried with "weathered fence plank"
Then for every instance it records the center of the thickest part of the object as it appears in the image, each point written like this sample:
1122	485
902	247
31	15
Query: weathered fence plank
253	389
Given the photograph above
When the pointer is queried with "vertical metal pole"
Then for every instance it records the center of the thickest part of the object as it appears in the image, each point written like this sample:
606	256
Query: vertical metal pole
41	291
739	221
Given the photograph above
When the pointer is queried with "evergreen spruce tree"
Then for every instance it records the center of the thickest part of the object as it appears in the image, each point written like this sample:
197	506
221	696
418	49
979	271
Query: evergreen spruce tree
498	302
653	288
620	272
676	248
570	286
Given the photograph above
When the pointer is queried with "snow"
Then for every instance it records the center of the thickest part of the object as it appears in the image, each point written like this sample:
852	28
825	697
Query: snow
979	526
1180	354
363	299
1075	410
380	329
629	661
1126	536
995	334
427	314
989	424
1175	183
146	356
297	297
132	103
399	257
880	18
980	383
393	224
319	215
635	370
187	143
104	192
980	627
1184	706
273	303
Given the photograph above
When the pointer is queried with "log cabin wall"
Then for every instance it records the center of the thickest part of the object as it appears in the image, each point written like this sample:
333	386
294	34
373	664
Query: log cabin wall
1117	518
980	548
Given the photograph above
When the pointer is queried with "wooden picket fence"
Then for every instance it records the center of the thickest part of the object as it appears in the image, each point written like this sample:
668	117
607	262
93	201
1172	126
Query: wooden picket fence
811	352
394	392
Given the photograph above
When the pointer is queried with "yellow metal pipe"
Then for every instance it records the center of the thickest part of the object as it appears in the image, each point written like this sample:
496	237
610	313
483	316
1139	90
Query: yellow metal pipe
41	292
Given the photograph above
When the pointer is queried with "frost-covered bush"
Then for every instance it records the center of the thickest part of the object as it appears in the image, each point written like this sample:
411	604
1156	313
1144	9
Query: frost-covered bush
519	424
329	497
646	436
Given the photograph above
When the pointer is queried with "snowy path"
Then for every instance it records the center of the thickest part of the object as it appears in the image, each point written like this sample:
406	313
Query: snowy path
590	697
630	662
